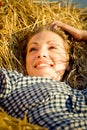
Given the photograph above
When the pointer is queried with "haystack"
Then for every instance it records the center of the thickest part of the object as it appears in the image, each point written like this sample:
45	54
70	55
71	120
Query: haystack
17	17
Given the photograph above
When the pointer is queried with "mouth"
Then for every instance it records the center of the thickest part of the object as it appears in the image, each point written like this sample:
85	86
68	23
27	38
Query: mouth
43	65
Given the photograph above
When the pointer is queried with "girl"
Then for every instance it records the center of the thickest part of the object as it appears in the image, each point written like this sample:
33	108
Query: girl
42	95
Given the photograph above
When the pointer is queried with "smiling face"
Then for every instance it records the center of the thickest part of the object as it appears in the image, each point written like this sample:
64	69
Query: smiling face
46	55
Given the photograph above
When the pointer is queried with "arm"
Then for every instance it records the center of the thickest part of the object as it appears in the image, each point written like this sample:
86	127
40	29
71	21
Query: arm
80	35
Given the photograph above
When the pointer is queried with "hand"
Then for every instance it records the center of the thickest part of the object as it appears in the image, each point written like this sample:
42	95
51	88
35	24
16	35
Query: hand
79	35
57	24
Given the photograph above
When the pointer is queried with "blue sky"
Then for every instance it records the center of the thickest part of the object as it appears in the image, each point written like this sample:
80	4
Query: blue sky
82	2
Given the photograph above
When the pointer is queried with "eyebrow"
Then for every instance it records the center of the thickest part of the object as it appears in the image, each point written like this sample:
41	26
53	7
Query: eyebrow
52	42
33	43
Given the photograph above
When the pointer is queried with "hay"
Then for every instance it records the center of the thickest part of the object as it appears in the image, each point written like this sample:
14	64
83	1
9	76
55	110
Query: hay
21	14
9	123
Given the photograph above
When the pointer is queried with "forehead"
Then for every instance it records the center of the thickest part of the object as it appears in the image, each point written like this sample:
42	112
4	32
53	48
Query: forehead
45	36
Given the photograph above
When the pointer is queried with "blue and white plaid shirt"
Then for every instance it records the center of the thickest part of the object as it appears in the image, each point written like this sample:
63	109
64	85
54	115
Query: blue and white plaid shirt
46	102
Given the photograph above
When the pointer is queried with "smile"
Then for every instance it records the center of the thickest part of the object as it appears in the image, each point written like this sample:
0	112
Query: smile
42	65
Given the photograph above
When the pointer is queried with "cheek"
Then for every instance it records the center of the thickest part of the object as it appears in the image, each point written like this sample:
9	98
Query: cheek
60	63
29	64
28	60
60	67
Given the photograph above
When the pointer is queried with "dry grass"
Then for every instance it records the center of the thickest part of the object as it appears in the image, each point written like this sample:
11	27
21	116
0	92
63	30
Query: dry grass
9	123
21	14
18	17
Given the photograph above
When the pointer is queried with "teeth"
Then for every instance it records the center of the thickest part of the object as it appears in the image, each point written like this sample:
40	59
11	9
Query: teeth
41	65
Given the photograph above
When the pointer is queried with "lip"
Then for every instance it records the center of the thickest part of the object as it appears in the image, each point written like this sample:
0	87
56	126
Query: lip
42	64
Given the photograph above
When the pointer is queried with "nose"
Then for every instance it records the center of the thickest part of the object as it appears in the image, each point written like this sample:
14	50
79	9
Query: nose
42	54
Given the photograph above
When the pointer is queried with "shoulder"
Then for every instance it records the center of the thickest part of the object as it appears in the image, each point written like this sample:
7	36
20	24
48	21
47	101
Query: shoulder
7	80
9	73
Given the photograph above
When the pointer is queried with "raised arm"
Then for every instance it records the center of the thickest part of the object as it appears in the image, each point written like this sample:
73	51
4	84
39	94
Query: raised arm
79	35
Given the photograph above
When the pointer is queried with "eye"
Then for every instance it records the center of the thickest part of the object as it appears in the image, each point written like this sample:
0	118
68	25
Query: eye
32	49
52	47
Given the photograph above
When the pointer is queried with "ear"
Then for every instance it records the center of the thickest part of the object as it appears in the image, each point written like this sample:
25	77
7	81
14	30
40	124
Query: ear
68	68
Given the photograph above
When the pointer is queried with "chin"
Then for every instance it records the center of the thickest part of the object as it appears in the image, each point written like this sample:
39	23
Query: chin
45	76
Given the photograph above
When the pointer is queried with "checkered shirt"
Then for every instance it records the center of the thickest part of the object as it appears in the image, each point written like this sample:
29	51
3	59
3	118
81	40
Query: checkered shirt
45	102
